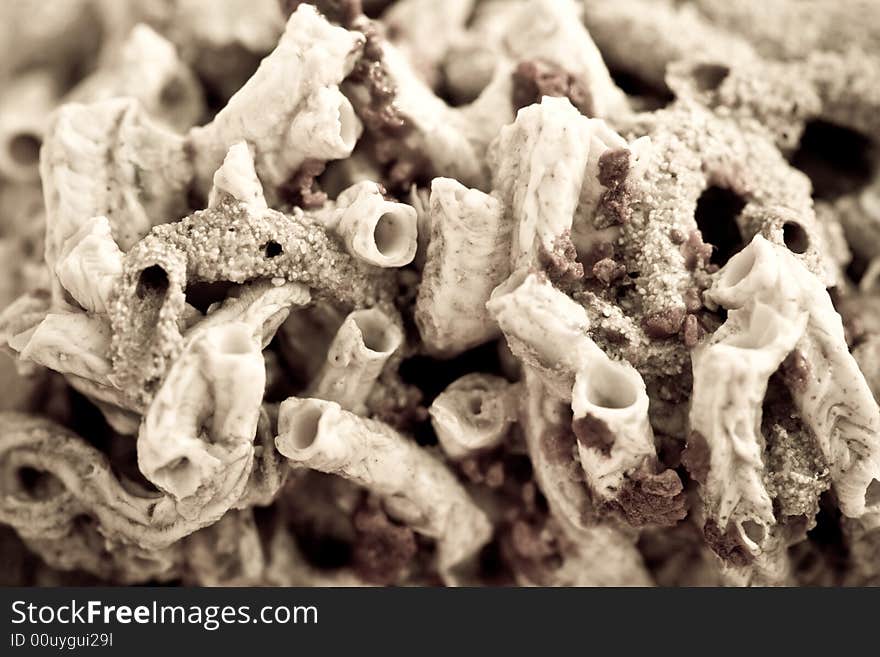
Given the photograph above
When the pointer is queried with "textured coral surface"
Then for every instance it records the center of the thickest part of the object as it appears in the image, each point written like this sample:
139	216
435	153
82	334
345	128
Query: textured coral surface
405	292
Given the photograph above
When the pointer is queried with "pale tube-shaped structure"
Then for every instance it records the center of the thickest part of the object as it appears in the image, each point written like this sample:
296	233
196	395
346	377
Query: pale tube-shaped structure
378	231
262	305
833	397
473	414
731	372
25	106
126	516
90	265
548	31
445	135
610	410
236	178
74	343
544	327
467	257
416	487
546	425
108	159
291	109
539	165
362	346
196	438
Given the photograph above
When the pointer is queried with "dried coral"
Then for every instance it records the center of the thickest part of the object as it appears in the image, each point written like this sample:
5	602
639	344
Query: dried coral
547	284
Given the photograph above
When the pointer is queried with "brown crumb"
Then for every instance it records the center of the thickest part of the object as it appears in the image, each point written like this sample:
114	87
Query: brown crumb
528	543
796	370
531	546
696	252
692	332
534	79
382	548
613	167
560	448
387	129
495	475
727	545
696	457
593	432
484	469
677	236
652	499
607	270
561	263
692	299
613	170
665	323
303	189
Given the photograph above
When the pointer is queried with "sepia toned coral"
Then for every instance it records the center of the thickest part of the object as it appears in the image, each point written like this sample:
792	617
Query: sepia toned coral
509	292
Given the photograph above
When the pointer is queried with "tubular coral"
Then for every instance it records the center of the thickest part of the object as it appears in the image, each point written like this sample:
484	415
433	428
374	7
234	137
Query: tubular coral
298	84
359	351
833	398
227	243
470	241
546	423
146	67
633	270
731	372
195	442
540	172
86	485
615	443
416	487
374	229
615	440
473	414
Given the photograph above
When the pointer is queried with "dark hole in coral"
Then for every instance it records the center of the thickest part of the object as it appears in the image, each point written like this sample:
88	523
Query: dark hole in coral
266	519
33	481
518	468
432	375
837	160
87	421
649	95
202	295
754	531
708	77
872	494
195	199
153	280
492	566
795	237
717	211
289	381
374	8
325	552
856	269
272	249
24	149
827	536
